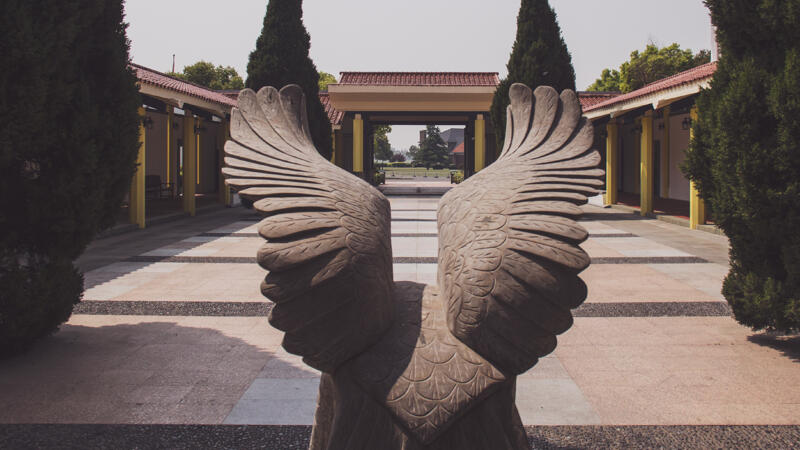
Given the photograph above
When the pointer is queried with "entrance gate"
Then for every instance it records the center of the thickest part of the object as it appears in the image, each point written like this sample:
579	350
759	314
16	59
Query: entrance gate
366	99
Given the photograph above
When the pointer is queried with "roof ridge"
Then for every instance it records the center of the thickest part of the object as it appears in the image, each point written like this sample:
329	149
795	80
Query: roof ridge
665	79
151	75
655	86
599	92
416	72
175	78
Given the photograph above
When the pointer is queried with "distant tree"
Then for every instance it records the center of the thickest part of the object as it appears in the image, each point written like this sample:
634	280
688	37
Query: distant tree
432	150
745	157
412	152
69	129
649	66
398	157
539	57
610	81
281	58
205	74
325	79
383	150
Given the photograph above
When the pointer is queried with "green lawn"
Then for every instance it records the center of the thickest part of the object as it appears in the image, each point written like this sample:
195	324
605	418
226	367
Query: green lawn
408	172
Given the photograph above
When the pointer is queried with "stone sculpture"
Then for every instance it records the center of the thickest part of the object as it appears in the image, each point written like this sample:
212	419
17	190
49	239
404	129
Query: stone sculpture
407	366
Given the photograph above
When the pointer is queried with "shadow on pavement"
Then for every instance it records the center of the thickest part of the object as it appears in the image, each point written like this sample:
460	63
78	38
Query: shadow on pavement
149	372
788	345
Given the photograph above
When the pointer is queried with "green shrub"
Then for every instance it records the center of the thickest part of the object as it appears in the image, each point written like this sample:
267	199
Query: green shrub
37	297
456	176
539	58
69	129
745	157
281	58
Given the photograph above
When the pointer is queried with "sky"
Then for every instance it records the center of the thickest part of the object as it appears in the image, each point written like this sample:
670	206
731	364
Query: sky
411	35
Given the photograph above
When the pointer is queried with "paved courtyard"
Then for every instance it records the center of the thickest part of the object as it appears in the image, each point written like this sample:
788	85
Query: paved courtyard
173	331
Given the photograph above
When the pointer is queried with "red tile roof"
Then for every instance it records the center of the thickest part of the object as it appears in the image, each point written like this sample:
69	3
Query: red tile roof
689	76
334	115
589	99
150	76
459	148
419	78
230	93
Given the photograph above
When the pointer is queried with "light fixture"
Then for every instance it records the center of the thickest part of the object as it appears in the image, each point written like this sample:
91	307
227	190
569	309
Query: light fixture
661	125
147	122
636	129
687	123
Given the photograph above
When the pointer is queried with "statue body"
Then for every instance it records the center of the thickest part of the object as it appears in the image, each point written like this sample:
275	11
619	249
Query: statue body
409	366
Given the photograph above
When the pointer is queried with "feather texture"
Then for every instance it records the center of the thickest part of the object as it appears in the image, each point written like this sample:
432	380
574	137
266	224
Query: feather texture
328	248
509	254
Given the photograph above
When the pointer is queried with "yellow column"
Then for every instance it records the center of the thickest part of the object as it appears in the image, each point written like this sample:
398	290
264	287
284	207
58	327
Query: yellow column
340	145
612	161
358	144
333	147
198	123
697	207
480	143
170	116
221	162
189	163
646	165
228	192
665	156
136	200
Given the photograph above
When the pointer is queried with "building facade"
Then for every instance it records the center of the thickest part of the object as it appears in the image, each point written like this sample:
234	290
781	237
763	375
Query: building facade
644	135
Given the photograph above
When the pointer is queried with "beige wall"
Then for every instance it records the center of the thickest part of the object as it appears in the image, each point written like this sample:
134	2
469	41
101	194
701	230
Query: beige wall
209	163
679	142
156	156
629	159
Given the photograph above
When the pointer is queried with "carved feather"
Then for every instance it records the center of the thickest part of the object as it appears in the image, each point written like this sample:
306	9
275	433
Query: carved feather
327	232
508	240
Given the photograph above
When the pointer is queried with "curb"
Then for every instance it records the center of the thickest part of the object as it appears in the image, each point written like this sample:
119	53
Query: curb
674	220
158	220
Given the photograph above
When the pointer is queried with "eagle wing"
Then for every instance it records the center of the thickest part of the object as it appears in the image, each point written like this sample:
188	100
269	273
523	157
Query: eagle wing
509	253
328	237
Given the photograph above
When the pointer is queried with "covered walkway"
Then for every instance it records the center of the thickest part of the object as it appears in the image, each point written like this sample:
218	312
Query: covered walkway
365	99
183	132
645	135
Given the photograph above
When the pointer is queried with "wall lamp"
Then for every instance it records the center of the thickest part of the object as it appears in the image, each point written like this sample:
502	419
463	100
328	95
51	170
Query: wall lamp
147	122
636	129
687	123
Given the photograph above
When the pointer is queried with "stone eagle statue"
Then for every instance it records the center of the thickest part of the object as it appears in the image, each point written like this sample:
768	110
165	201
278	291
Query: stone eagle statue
407	366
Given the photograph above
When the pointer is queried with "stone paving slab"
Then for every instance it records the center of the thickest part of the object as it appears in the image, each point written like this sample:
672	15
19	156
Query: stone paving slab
297	437
181	282
680	370
623	283
616	366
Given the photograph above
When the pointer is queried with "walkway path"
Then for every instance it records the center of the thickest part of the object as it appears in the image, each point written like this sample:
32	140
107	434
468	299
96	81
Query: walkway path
173	330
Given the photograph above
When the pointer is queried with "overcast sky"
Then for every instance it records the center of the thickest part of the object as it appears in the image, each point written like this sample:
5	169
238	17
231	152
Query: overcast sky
411	35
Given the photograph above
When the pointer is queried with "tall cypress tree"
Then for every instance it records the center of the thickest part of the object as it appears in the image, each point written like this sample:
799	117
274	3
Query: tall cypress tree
281	58
69	138
745	157
539	58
